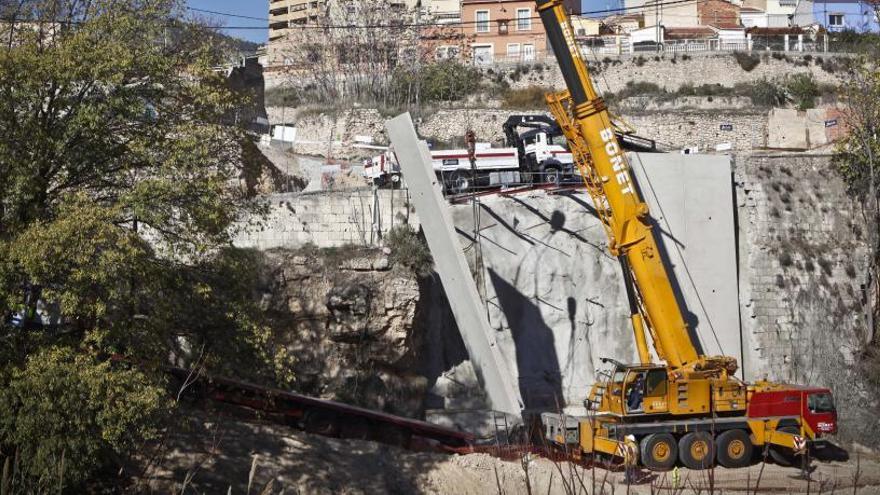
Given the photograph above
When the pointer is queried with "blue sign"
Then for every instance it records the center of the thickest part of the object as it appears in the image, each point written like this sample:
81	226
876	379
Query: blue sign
831	123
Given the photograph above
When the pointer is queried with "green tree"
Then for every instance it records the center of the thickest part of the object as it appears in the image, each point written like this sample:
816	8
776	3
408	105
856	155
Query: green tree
121	178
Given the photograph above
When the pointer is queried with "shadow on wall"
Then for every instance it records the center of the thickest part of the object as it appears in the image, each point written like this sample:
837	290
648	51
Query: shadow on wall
443	348
540	380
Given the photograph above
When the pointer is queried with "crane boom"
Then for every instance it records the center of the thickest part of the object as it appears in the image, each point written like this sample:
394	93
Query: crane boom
587	126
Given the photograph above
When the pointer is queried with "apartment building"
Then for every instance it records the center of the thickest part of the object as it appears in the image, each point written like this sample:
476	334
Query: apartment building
283	14
503	30
288	19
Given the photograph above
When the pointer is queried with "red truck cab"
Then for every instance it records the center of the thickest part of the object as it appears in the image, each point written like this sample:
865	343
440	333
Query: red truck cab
814	404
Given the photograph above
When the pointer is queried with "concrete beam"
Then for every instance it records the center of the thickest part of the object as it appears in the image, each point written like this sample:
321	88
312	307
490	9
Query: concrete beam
691	199
450	263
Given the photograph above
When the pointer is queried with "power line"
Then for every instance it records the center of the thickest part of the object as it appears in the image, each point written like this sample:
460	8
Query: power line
227	14
385	26
639	8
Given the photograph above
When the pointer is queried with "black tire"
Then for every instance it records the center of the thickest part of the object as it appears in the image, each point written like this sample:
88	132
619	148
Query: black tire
460	182
696	450
734	449
321	423
658	451
552	176
782	455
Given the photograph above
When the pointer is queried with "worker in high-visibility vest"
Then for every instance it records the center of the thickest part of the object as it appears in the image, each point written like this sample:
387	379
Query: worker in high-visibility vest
630	458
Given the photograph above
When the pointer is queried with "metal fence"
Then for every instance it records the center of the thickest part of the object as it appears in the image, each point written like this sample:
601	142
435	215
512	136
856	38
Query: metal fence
622	45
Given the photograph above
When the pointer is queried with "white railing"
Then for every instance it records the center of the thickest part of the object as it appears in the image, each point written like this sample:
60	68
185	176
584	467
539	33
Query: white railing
782	43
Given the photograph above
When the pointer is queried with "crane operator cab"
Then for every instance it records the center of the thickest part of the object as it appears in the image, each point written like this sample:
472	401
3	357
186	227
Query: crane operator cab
630	390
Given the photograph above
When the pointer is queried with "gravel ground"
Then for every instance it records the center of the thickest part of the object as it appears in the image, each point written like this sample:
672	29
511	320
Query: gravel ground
216	454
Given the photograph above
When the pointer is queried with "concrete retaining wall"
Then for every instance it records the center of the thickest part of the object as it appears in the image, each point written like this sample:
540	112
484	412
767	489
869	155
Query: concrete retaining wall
328	219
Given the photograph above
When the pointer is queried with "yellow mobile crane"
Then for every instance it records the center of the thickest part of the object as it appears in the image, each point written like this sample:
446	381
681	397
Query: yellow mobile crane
691	409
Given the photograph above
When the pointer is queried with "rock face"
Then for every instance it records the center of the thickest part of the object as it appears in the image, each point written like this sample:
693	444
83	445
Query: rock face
346	317
553	294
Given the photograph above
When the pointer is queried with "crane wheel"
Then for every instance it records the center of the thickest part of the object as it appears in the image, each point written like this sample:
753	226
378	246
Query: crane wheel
658	451
697	450
734	449
460	182
781	455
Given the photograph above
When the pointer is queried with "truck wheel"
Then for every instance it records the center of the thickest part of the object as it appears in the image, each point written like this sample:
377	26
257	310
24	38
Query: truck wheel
734	449
782	455
658	451
697	450
459	182
552	176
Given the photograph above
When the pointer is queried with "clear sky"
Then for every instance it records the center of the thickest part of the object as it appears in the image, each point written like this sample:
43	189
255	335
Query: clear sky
251	8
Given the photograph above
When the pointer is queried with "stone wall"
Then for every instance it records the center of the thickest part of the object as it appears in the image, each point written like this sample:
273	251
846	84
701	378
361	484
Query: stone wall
803	258
705	130
673	130
329	219
612	74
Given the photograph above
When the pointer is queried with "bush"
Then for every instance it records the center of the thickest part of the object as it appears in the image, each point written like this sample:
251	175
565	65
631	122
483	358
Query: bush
446	80
410	250
689	89
530	97
67	415
803	90
640	88
747	61
763	93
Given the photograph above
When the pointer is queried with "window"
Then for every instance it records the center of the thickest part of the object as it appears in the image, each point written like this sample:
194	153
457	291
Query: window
820	403
528	52
523	19
447	52
656	383
835	20
513	51
483	54
482	21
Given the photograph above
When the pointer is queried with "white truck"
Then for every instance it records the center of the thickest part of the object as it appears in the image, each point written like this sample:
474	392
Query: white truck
536	161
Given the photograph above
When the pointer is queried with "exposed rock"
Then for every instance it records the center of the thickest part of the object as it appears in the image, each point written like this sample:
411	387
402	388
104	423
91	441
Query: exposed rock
350	329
